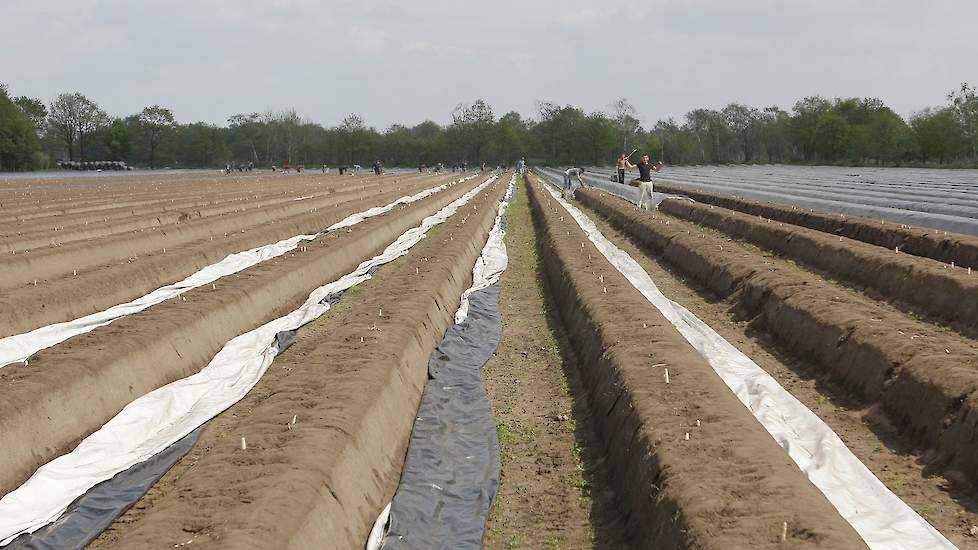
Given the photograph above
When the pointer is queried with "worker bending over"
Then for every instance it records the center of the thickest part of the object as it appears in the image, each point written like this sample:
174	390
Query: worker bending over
568	175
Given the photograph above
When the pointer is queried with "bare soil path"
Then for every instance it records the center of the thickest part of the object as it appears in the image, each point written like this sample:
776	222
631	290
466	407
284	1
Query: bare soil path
552	493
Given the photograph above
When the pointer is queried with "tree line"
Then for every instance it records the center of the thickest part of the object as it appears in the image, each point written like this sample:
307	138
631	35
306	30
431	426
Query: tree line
817	130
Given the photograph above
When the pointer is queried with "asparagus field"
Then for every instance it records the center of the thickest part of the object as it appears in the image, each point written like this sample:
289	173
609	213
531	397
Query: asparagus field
483	359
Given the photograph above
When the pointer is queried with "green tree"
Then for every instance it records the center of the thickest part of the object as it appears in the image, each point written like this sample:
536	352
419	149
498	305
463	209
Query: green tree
201	145
964	105
157	127
19	145
939	134
624	114
472	128
832	137
34	110
600	135
804	123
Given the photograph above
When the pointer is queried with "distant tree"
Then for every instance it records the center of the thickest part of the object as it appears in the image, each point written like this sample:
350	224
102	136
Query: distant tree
939	134
600	134
245	132
19	145
776	134
354	138
831	137
804	123
885	131
201	145
428	141
34	109
473	126
156	127
710	130
964	105
625	116
73	117
290	129
547	129
91	118
745	124
117	140
63	116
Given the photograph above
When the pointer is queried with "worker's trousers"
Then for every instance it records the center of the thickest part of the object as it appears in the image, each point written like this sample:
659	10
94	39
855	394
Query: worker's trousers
645	194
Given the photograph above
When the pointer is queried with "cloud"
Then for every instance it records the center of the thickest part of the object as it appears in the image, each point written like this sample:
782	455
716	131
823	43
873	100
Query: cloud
410	61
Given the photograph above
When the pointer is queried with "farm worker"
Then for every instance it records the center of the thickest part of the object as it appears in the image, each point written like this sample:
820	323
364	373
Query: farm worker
623	165
521	166
572	173
645	168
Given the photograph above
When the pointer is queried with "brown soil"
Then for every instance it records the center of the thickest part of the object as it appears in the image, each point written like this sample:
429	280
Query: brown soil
729	485
322	482
60	202
929	243
870	438
915	373
48	405
176	207
59	259
109	280
553	493
919	284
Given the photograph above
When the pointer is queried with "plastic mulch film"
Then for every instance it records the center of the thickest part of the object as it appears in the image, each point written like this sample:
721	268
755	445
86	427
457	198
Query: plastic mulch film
880	517
451	472
157	420
19	347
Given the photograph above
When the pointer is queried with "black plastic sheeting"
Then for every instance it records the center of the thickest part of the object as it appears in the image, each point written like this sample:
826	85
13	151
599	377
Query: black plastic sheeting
94	512
451	473
90	514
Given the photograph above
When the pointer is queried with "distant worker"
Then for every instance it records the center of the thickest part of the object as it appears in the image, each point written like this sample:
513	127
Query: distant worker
521	166
325	168
356	170
377	167
623	165
574	172
644	181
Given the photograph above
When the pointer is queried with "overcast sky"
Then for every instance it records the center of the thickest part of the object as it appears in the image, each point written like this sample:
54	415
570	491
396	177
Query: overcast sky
410	60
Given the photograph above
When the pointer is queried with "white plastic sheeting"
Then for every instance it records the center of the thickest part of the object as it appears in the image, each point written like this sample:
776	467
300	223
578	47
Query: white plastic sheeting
488	267
493	260
880	517
20	347
156	420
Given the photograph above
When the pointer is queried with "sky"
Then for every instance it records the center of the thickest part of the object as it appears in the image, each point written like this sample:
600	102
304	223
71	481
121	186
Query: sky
411	60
